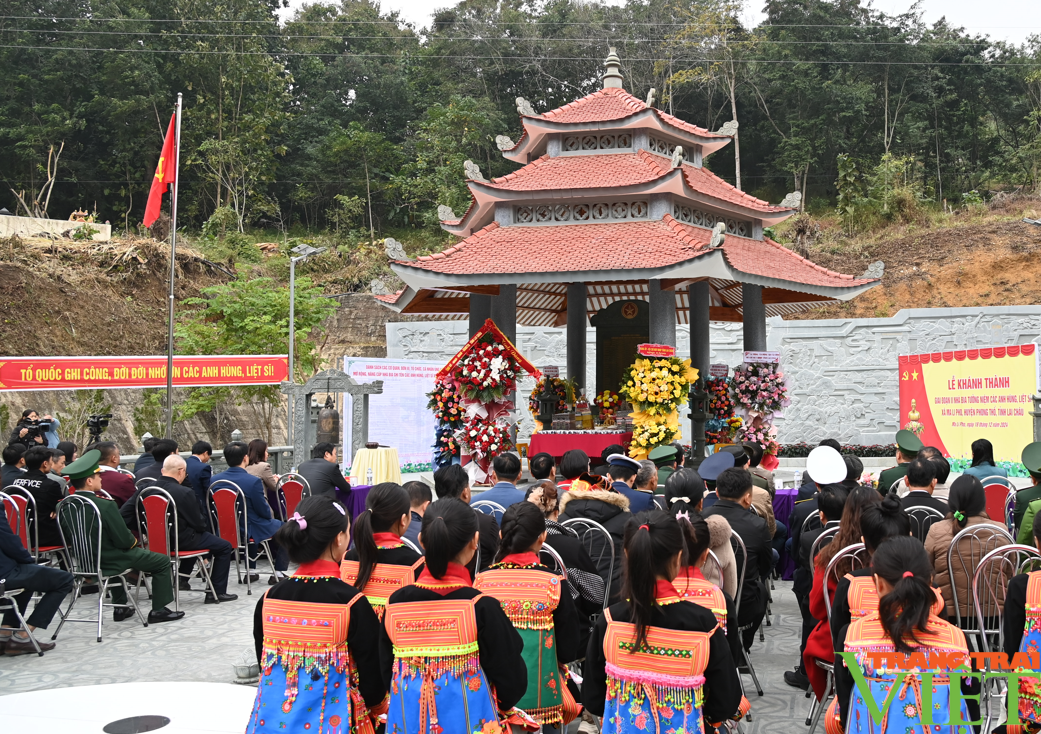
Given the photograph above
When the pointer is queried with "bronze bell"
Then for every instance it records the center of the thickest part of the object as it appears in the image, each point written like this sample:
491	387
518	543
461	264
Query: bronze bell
329	423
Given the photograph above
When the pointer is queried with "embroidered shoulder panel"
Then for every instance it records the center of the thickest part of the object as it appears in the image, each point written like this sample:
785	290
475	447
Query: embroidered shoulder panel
528	596
863	597
385	579
434	637
706	595
867	635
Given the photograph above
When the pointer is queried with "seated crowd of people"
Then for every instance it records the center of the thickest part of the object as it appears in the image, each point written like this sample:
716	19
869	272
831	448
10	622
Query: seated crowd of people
628	594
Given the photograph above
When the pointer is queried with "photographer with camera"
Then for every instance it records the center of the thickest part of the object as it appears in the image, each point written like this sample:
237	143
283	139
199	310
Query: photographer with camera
32	430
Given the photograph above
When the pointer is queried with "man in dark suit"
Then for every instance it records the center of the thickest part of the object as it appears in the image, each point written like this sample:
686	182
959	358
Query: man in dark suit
200	472
119	485
162	448
453	481
734	487
146	458
921	480
322	472
45	491
191	531
262	523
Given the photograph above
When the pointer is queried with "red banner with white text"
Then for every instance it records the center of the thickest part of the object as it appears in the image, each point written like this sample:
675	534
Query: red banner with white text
96	373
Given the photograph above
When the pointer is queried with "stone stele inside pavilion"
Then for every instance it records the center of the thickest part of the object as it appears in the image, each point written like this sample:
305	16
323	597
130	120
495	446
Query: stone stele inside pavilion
613	221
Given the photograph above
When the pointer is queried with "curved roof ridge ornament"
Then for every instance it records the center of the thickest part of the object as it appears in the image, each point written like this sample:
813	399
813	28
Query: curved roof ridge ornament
613	75
445	213
729	128
719	235
395	250
678	156
875	270
473	171
651	96
792	200
524	108
504	142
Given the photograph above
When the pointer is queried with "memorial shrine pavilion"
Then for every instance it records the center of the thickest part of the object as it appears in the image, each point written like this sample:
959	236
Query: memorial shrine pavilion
613	221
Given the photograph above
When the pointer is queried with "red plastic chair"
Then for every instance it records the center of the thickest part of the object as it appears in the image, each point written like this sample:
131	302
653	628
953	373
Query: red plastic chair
26	529
227	505
998	492
291	489
159	513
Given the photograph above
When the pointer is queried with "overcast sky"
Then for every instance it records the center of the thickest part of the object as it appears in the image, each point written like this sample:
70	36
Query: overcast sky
1012	20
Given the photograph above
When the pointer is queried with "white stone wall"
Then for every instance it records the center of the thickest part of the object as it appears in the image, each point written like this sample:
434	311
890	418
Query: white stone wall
31	227
842	372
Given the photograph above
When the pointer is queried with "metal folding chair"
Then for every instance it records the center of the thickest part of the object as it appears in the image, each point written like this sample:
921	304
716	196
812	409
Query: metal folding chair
489	508
989	586
858	556
812	522
291	488
736	540
79	522
144	482
967	551
822	540
557	564
411	545
156	526
922	518
10	509
997	491
588	530
129	473
769	597
26	528
714	560
227	504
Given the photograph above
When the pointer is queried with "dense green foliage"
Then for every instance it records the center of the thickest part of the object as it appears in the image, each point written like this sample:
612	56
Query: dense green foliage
347	119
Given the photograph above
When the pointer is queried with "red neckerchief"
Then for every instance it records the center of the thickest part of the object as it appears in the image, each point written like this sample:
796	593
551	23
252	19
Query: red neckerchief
665	592
456	577
387	540
520	559
319	568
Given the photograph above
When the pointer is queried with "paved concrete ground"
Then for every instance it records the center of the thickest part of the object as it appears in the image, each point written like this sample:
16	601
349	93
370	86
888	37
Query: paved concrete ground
210	639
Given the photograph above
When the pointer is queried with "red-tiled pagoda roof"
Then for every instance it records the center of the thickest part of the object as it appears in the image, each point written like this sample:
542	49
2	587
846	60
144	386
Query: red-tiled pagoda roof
618	246
605	105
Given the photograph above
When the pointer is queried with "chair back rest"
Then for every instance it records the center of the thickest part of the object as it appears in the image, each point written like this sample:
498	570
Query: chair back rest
144	482
922	518
822	540
755	511
25	520
742	564
228	509
489	508
990	584
590	533
858	556
289	495
712	561
557	563
409	544
157	512
129	473
997	493
812	521
14	515
79	522
967	550
102	493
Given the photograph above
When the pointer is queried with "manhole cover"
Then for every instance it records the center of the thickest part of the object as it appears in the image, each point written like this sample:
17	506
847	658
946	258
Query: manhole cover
136	725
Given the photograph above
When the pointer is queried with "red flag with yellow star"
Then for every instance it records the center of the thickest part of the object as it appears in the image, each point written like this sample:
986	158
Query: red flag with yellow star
165	174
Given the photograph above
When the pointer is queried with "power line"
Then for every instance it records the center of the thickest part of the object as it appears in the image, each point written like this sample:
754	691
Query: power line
439	57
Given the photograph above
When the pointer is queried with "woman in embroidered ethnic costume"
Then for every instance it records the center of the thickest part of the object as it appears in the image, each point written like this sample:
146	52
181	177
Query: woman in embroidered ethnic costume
450	655
317	637
1022	625
537	602
380	563
904	623
849	508
649	657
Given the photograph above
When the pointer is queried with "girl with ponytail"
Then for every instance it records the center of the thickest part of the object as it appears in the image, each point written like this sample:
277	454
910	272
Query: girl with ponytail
380	562
323	676
649	657
904	623
450	655
537	602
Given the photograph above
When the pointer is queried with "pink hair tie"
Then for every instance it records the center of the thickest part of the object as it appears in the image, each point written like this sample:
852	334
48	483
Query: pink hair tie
299	520
908	575
644	527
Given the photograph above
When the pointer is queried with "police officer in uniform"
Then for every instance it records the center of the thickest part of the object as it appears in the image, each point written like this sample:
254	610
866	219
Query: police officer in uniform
118	546
664	457
907	447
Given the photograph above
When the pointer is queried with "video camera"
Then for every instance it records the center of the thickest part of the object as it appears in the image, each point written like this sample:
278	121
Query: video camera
97	424
34	429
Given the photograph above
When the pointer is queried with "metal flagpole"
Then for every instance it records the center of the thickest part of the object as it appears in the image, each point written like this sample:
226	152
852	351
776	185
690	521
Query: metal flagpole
173	271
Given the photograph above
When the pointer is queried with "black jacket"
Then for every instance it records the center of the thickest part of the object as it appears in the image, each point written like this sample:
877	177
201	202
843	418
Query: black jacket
921	498
12	552
362	632
1014	618
756	536
802	582
189	519
323	477
500	645
488	542
722	686
155	471
610	509
47	494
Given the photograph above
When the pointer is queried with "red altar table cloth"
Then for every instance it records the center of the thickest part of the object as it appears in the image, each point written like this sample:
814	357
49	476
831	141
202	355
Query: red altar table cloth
556	444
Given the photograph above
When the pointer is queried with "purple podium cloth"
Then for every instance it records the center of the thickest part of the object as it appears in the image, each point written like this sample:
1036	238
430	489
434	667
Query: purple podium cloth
784	503
354	500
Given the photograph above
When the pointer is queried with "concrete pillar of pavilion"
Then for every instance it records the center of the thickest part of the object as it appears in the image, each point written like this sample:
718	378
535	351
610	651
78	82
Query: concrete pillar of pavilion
576	333
700	354
662	314
480	311
504	311
754	317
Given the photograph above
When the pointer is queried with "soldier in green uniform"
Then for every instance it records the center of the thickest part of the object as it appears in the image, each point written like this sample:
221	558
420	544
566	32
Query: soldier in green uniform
1025	497
118	545
907	447
664	457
